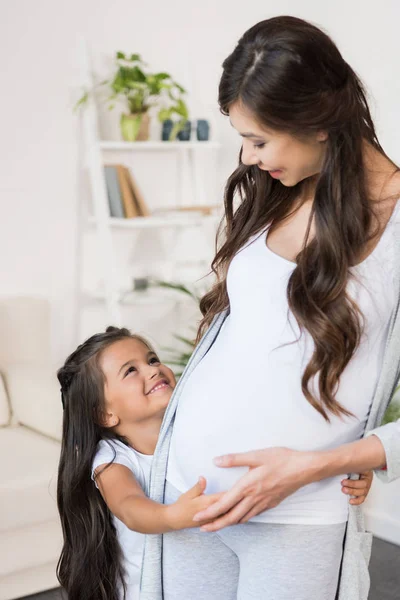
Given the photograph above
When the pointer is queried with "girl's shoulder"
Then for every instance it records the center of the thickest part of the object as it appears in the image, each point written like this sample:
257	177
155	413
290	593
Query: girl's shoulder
115	451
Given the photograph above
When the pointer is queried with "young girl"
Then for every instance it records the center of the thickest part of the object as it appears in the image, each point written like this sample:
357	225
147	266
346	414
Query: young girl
115	391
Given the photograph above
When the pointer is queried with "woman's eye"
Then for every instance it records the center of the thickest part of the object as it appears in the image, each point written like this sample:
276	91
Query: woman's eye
258	145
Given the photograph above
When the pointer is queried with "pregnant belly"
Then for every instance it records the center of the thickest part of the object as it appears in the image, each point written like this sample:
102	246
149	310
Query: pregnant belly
192	455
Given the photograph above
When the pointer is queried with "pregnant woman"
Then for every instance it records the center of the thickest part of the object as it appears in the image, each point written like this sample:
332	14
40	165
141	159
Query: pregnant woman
292	366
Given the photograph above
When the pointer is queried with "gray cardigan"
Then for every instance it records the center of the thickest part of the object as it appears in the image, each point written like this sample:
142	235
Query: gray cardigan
354	578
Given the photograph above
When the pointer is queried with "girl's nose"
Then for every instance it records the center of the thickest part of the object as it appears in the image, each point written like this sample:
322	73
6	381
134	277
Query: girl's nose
152	371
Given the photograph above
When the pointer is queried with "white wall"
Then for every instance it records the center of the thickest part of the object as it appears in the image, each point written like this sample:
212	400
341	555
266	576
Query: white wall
40	79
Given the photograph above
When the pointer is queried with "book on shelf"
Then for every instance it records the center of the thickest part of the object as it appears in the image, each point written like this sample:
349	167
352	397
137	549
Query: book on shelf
113	192
204	210
128	200
124	197
140	201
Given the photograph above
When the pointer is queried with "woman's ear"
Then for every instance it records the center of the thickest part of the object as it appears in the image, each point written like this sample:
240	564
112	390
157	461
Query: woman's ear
109	420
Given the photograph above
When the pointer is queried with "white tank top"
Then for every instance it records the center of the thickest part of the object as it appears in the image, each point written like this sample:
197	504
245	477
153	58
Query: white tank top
245	394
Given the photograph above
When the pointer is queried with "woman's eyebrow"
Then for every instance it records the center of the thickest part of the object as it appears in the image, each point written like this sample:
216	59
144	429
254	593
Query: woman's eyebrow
248	134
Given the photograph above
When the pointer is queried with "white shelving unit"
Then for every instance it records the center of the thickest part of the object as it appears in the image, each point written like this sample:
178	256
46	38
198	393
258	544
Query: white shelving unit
106	227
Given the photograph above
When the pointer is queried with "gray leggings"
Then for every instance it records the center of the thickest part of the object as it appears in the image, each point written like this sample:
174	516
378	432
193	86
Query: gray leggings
252	561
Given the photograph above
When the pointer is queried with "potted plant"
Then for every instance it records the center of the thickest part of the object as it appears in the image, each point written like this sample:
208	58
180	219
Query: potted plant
140	90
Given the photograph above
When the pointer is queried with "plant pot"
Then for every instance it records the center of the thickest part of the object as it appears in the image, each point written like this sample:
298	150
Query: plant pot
184	134
135	127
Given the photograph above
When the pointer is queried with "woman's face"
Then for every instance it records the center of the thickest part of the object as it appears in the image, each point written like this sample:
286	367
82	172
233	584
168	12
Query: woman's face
284	156
137	387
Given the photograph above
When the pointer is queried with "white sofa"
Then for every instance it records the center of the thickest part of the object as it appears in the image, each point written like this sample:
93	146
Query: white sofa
30	428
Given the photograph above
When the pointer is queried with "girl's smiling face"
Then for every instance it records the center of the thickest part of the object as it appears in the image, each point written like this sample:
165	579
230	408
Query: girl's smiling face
137	386
286	157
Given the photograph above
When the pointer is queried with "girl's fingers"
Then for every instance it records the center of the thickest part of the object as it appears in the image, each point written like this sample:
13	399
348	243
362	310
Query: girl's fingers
230	518
354	491
229	500
354	484
357	501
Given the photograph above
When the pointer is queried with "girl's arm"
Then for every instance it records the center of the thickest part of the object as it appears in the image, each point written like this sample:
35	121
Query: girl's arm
128	502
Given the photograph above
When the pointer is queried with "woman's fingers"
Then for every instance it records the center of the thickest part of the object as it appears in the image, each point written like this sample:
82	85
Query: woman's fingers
241	459
230	518
256	510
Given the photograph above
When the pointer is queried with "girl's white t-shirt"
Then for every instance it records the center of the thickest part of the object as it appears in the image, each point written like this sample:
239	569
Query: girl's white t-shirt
245	393
131	542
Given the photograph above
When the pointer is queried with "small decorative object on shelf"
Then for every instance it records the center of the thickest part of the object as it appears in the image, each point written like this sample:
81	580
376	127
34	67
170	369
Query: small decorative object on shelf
185	133
141	90
179	109
140	283
166	129
203	130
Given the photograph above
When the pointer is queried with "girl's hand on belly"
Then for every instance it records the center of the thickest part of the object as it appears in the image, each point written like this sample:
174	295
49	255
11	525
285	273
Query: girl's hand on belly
274	474
180	513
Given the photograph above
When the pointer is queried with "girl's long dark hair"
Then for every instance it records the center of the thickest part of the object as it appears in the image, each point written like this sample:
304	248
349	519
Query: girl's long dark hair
291	77
90	565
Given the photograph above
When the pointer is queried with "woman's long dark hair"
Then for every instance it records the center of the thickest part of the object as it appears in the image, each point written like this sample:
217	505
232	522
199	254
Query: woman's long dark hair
90	566
291	77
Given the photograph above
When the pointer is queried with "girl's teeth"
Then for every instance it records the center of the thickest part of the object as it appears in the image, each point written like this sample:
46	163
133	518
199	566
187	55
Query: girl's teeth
158	387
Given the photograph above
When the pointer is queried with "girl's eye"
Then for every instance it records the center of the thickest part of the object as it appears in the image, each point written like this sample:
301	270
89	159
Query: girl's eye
154	358
130	370
258	145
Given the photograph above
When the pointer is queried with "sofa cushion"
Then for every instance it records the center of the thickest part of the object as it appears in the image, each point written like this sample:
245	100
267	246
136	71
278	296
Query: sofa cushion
29	547
28	466
35	398
25	330
4	407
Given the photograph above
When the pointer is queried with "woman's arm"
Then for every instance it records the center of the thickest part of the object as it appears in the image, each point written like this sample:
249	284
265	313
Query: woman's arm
276	473
389	436
128	502
364	455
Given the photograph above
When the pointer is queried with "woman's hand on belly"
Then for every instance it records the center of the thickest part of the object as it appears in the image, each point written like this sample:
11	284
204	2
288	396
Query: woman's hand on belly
274	474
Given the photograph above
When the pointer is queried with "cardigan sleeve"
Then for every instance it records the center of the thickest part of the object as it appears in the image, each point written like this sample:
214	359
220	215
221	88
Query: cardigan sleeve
389	436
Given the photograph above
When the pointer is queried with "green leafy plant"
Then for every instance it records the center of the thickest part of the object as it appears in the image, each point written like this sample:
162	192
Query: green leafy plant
393	410
141	89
